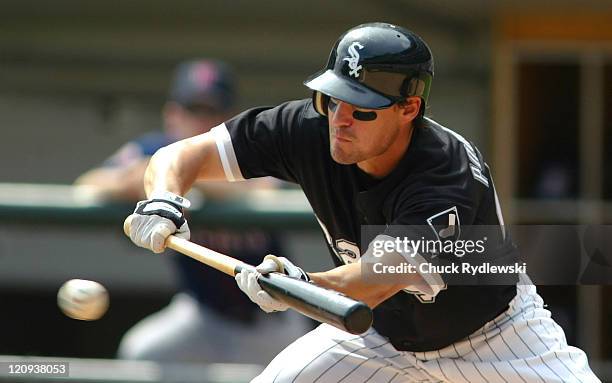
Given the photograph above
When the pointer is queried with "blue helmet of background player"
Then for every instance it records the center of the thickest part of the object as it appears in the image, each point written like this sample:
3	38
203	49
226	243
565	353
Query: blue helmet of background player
374	66
203	83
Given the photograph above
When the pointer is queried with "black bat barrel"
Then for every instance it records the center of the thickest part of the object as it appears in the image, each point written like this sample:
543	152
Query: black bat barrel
318	303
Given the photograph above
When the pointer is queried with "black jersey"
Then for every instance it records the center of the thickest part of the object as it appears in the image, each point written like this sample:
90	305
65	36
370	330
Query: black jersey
439	171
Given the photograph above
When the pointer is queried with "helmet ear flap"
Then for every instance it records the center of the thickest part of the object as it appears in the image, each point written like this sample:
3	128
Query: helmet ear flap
320	102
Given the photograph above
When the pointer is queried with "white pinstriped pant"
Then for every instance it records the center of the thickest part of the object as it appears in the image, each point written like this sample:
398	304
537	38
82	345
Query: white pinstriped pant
522	344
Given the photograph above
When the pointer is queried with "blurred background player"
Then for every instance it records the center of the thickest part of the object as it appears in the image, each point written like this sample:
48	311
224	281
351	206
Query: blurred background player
209	320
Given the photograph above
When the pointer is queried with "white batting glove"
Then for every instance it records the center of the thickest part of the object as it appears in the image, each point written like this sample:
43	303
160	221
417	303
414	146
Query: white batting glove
247	281
273	263
155	219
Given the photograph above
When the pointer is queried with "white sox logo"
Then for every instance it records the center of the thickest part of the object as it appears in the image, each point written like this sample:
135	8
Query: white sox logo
353	61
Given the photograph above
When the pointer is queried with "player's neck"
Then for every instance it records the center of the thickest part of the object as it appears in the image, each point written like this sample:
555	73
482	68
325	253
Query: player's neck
381	165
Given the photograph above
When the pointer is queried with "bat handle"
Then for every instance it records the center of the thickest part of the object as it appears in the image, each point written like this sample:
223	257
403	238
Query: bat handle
221	262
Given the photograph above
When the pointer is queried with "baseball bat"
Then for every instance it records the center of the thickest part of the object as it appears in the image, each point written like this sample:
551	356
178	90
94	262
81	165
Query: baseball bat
323	305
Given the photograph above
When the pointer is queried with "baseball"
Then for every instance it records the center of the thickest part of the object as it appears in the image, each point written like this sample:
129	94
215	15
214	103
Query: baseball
82	299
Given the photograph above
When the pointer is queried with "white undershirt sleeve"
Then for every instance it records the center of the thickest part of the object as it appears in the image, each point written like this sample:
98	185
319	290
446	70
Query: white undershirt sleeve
226	153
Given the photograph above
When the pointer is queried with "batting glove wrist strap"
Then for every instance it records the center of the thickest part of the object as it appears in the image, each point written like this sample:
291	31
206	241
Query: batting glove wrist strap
163	208
171	197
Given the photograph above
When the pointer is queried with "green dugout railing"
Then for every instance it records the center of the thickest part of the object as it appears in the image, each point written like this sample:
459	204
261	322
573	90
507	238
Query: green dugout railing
69	205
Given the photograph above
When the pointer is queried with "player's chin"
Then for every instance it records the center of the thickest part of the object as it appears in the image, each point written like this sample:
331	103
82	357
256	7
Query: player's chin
342	156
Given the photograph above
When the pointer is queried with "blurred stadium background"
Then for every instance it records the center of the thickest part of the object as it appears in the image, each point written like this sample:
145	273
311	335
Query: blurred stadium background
529	81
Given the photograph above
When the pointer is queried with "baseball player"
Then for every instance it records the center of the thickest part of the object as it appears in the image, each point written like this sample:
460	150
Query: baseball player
365	154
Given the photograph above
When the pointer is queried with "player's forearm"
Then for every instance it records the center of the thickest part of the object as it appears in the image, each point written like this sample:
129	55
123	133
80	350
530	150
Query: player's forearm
348	279
168	170
177	166
117	183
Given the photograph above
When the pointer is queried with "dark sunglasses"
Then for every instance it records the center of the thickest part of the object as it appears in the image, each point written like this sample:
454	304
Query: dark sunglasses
360	115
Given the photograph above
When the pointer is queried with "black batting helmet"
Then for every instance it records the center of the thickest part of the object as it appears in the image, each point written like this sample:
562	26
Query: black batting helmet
374	66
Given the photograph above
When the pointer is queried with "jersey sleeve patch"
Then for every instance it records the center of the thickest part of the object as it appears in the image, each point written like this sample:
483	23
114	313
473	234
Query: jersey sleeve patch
446	224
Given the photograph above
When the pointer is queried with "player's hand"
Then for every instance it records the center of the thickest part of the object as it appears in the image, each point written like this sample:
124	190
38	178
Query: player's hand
273	263
155	219
247	282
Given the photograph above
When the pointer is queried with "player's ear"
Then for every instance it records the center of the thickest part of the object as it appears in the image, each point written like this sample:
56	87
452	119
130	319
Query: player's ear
409	108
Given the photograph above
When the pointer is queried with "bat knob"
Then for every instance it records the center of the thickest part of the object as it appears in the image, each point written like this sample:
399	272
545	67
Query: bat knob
271	264
126	225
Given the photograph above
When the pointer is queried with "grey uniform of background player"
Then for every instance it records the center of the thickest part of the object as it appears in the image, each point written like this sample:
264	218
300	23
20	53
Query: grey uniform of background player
459	333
